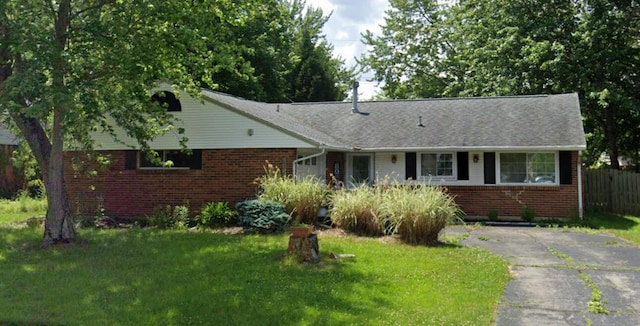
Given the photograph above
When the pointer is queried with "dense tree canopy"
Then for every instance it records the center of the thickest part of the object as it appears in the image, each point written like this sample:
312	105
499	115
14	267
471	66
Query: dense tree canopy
503	47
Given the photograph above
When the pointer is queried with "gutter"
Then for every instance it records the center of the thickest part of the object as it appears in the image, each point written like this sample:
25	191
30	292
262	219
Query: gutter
295	162
579	171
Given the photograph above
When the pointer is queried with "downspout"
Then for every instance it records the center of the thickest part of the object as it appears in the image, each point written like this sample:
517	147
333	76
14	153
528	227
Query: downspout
579	169
295	162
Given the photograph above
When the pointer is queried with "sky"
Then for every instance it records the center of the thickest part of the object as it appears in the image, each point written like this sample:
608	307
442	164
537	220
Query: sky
349	19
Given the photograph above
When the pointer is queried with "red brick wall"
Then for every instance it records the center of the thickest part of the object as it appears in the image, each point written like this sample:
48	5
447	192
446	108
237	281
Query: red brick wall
547	201
226	175
332	159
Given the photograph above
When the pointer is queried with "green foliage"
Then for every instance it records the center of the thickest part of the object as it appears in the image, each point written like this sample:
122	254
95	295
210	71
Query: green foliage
262	216
503	47
420	212
359	210
167	217
302	199
23	203
217	214
492	214
527	214
416	213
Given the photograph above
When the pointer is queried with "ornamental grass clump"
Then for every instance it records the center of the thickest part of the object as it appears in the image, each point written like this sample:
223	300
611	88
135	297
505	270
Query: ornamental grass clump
358	210
419	213
302	199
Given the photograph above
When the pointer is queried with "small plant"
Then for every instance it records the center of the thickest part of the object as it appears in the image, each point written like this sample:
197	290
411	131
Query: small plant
359	210
493	215
166	217
217	214
263	216
302	199
34	222
527	214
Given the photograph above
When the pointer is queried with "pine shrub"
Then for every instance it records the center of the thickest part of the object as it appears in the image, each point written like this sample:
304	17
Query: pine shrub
262	216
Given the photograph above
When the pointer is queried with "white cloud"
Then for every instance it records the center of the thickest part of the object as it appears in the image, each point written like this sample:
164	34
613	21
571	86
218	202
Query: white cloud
351	18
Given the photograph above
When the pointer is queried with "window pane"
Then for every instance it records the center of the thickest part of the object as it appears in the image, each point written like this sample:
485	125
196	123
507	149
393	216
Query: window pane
527	167
513	167
178	158
445	164
428	167
433	164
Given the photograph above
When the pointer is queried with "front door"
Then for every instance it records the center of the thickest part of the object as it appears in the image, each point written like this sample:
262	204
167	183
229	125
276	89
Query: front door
361	169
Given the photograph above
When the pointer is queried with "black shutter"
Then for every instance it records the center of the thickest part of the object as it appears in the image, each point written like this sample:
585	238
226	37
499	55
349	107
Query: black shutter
463	165
196	159
130	160
410	165
490	168
565	167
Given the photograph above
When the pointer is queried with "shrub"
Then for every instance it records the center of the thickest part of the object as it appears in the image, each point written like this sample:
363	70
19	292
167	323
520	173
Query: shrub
217	214
358	210
302	199
166	216
527	214
263	216
419	213
493	214
416	213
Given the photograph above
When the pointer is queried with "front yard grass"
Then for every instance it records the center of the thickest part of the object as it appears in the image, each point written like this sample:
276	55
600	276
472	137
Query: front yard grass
624	226
151	277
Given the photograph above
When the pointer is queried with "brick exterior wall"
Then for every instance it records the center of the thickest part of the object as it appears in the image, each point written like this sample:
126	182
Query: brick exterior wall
226	175
547	201
332	159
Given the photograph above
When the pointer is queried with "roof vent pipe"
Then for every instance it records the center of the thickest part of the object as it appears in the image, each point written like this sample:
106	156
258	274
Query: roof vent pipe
354	108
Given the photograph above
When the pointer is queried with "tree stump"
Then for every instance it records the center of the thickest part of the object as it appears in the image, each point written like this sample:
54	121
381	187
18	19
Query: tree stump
306	248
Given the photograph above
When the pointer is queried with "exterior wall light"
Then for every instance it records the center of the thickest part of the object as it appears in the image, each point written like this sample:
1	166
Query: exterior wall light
250	132
476	158
394	158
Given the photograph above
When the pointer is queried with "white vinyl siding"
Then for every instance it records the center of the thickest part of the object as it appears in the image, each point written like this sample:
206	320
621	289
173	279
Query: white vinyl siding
210	126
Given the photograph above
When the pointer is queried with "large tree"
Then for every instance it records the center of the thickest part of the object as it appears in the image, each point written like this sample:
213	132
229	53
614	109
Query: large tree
284	54
506	47
68	68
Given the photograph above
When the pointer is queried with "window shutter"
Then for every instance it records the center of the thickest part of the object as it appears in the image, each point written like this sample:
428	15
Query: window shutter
196	159
565	167
490	168
463	165
130	160
410	165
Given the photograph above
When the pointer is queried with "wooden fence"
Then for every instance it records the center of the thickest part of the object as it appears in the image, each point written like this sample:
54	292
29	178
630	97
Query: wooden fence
612	191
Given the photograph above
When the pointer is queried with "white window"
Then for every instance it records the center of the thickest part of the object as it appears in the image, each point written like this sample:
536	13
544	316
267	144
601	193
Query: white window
528	168
436	165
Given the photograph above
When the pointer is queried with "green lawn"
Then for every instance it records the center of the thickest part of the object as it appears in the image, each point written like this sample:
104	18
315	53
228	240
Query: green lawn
624	226
149	277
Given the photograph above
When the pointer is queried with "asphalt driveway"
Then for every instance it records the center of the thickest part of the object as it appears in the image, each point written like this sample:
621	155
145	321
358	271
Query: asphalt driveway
558	273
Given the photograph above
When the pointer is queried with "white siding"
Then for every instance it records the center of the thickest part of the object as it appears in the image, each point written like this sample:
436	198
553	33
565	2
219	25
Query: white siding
210	126
385	169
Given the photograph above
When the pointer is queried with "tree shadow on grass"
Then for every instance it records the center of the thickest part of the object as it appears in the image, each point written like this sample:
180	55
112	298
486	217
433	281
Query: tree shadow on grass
157	277
610	221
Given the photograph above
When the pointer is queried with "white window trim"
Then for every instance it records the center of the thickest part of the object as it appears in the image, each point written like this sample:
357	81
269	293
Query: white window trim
529	184
454	166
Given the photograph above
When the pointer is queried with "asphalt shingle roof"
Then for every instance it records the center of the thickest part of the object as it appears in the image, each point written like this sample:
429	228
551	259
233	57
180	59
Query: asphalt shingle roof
537	121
